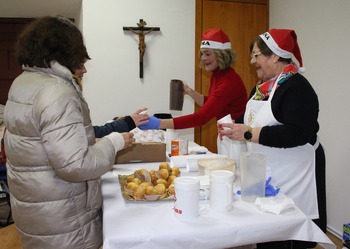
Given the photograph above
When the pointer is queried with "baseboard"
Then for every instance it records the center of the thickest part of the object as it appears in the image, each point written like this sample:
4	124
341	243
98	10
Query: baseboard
335	237
335	233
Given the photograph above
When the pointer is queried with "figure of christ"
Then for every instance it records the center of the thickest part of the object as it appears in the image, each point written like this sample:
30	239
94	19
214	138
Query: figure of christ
141	31
142	43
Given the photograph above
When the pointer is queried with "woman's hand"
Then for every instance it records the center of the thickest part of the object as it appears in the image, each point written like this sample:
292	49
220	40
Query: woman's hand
140	117
188	90
152	124
236	132
232	131
128	139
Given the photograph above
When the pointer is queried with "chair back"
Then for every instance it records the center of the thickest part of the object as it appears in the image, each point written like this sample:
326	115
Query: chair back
3	155
3	173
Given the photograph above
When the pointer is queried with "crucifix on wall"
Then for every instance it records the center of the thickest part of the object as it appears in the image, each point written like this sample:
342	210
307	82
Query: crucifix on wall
141	31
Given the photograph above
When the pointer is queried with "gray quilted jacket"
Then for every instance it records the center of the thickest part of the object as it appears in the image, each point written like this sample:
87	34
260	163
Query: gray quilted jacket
54	164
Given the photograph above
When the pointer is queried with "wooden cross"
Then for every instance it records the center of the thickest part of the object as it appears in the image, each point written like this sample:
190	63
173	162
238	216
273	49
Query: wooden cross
141	31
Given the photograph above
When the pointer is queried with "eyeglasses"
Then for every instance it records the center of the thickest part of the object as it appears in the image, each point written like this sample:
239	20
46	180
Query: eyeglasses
254	55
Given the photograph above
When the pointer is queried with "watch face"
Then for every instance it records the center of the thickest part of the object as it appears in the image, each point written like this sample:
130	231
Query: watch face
248	135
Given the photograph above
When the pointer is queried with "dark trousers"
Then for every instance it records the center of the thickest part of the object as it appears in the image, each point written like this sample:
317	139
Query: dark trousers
321	199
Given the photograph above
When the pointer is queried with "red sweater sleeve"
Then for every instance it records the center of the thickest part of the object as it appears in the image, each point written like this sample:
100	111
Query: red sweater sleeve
227	94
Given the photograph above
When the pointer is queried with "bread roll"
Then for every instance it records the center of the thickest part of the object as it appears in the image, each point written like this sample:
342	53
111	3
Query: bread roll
160	189
132	186
171	179
162	174
165	165
171	189
150	190
137	181
130	178
163	181
175	171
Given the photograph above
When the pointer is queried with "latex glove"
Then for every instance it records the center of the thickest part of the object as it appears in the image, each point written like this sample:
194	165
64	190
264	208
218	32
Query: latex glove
269	189
153	124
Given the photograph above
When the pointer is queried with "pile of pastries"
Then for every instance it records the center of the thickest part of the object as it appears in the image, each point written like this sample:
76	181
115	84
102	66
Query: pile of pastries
151	185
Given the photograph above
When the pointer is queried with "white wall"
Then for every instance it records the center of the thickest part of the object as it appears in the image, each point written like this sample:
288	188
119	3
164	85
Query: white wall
36	8
112	85
323	33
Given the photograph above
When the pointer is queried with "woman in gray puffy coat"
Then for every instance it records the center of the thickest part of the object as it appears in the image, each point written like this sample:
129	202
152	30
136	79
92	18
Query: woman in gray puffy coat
54	163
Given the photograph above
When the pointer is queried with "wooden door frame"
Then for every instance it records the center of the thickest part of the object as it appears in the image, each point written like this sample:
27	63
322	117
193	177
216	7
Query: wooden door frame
198	37
9	30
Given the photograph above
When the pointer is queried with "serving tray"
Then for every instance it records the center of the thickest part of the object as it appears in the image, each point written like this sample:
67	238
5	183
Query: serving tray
130	197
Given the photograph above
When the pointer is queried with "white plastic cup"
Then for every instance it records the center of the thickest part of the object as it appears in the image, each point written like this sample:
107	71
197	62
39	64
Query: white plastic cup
225	120
221	190
186	197
253	175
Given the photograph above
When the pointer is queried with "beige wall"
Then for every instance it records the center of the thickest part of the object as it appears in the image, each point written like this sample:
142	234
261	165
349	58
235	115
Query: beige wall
112	85
323	32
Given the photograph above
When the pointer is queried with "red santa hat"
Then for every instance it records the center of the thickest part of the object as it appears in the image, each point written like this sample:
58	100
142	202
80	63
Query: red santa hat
215	39
283	42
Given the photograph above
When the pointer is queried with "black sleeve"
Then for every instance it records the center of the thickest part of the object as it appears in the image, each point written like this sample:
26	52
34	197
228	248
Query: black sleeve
295	105
130	122
125	124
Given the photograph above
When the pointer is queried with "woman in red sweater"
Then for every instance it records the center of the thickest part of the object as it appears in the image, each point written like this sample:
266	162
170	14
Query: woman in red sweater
227	93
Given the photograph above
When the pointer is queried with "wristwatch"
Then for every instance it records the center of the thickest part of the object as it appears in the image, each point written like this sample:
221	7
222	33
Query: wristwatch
248	134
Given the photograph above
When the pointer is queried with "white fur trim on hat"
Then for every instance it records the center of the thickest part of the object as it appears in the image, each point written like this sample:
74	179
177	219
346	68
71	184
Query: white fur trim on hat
271	43
301	69
215	45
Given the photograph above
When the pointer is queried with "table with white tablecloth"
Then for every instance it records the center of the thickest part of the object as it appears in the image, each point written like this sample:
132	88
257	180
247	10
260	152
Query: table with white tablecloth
140	224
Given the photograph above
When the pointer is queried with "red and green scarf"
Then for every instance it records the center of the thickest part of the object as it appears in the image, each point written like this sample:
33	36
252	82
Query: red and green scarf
263	89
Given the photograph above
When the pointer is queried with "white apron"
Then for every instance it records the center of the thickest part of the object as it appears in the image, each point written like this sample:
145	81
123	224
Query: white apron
291	169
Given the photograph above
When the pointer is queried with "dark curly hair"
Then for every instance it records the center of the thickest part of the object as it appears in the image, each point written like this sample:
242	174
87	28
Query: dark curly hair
51	38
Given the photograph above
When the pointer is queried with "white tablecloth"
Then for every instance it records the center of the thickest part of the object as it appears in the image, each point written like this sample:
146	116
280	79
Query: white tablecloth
131	224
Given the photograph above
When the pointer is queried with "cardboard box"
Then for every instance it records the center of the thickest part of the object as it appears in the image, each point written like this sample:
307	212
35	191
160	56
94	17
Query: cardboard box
142	153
